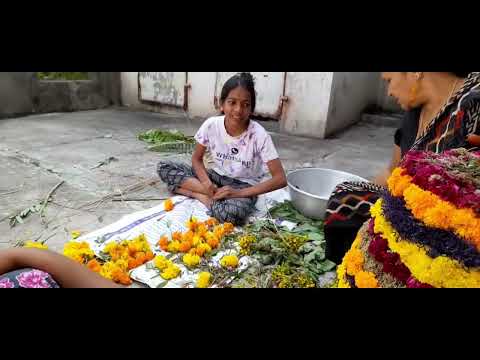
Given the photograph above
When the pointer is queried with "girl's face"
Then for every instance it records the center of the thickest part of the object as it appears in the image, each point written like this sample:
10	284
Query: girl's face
238	106
401	86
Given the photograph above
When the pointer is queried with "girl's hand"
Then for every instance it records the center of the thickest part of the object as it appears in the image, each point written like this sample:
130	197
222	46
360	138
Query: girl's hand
227	192
210	187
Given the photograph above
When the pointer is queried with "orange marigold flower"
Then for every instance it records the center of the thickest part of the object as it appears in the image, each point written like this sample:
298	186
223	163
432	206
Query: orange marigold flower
94	265
399	181
177	235
354	261
192	223
163	243
366	280
149	256
188	236
185	246
228	227
168	205
211	222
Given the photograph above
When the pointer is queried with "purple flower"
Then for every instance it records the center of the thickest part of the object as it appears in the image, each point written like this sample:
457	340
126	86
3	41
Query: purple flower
33	279
6	284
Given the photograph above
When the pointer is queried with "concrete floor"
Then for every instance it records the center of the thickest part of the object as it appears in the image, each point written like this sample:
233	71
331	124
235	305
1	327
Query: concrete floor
38	151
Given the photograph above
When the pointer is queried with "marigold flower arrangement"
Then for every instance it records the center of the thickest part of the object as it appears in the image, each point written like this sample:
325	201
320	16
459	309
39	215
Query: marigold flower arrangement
425	230
117	258
200	239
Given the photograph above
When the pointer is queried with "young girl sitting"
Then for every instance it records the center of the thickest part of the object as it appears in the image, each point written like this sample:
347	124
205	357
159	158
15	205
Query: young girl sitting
243	154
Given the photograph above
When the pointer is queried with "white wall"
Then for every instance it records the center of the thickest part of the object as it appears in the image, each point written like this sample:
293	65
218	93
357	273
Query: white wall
200	98
351	93
306	112
129	88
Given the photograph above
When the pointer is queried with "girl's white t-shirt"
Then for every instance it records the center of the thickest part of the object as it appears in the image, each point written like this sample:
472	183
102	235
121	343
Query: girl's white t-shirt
244	157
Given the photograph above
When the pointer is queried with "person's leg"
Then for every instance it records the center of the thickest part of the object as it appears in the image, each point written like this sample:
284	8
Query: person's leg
235	211
178	176
194	185
204	199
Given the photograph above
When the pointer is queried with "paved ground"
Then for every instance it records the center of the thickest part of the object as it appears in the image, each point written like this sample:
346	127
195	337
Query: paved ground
37	152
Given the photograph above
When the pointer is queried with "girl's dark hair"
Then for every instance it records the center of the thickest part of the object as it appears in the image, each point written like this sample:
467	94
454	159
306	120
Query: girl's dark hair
461	74
244	80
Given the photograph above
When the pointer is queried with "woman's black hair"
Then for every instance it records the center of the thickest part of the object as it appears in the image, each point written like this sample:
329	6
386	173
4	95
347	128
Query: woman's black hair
244	80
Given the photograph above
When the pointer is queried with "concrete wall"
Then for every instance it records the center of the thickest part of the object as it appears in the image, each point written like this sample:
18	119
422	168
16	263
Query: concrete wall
351	93
129	89
16	93
21	93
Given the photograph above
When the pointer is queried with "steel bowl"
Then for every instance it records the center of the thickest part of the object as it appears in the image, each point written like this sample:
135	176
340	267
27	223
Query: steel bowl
310	189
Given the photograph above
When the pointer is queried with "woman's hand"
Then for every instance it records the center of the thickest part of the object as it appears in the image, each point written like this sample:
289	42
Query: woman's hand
474	140
227	192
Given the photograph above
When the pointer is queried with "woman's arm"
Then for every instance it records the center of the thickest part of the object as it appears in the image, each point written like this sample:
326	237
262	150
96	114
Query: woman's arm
382	178
66	272
278	181
200	171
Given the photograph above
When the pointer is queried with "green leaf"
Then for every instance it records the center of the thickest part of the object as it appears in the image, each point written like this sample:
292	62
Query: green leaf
162	285
315	236
306	228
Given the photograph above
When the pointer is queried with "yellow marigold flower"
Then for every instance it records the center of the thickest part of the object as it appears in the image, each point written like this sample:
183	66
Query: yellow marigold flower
174	246
197	240
203	280
171	272
212	240
203	248
161	262
75	234
245	243
219	231
229	261
191	260
366	280
35	245
110	247
168	205
201	230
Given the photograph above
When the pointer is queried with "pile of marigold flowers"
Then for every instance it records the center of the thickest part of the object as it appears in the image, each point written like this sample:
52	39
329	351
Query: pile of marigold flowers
199	240
119	258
